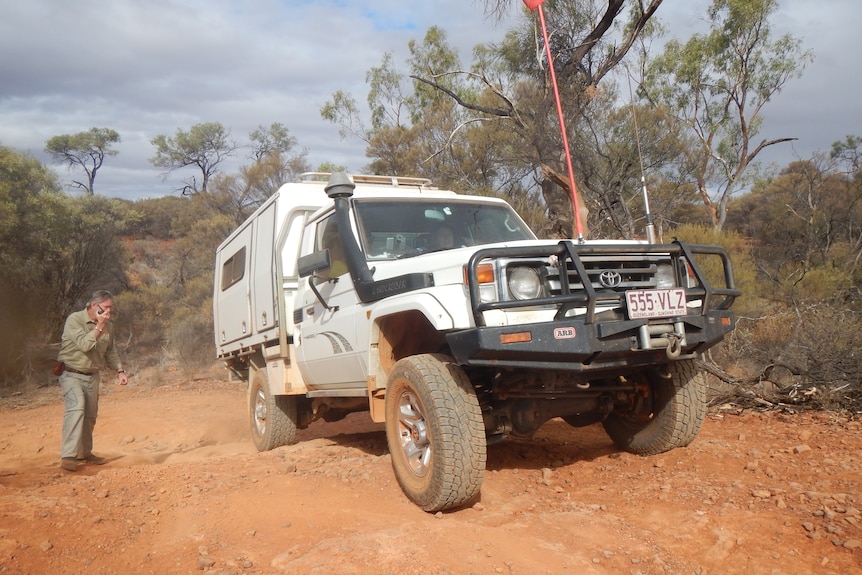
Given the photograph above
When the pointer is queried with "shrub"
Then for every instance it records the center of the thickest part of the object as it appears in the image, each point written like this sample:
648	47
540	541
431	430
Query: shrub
809	356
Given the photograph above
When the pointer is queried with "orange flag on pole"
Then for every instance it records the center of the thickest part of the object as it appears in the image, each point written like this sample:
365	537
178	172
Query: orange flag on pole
533	4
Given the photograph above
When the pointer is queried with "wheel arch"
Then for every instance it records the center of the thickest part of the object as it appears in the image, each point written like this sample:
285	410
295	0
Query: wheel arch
400	329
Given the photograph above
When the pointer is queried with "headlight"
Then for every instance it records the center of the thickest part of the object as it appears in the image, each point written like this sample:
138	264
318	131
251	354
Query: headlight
664	276
525	283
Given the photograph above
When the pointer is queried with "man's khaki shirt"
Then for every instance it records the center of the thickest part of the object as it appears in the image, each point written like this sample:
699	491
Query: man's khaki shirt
79	348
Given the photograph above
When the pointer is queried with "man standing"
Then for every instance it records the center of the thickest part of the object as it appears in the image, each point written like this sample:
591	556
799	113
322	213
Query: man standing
87	346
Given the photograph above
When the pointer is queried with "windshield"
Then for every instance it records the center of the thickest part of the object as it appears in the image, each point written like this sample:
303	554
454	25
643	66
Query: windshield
392	229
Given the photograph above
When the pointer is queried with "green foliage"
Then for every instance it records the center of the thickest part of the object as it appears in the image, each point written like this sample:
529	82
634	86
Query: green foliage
31	237
145	313
848	151
54	250
268	141
806	227
492	127
92	255
343	110
190	334
238	195
629	144
153	217
204	146
86	150
168	307
822	284
718	84
330	168
744	271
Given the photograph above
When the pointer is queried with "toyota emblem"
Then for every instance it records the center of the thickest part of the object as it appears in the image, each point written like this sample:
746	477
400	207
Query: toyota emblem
610	279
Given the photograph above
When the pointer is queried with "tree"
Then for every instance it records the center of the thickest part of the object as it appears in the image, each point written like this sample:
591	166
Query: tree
330	168
268	141
510	83
623	149
718	84
86	150
168	309
418	130
274	162
54	249
29	202
806	224
205	145
848	152
91	254
387	100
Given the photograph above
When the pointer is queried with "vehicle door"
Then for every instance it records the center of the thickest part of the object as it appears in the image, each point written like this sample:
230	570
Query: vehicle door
327	348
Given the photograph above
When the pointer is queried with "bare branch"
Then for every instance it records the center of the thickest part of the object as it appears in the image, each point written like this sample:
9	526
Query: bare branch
500	112
451	137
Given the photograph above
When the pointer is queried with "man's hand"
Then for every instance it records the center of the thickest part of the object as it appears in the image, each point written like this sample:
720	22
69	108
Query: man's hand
102	321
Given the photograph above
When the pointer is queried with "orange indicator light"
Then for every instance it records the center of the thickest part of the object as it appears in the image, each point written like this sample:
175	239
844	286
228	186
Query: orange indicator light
520	337
485	273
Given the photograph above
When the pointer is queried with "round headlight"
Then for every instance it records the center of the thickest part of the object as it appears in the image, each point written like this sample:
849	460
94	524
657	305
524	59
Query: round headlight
525	283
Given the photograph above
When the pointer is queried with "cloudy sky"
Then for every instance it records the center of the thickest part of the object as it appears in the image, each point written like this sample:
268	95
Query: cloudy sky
151	67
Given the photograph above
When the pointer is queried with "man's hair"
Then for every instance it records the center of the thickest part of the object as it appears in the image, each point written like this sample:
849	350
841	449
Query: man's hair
99	296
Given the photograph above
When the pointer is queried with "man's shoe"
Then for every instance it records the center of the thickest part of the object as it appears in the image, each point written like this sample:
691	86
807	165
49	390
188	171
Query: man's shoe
69	464
95	460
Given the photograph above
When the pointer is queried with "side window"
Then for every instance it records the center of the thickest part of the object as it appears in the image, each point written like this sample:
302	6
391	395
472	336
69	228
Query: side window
233	269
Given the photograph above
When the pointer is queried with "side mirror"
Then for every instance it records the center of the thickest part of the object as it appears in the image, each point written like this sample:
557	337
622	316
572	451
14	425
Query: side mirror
313	262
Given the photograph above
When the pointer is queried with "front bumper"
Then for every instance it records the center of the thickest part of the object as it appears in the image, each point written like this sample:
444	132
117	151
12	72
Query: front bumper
581	336
574	345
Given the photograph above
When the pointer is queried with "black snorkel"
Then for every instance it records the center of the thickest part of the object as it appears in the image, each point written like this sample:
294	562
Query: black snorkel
340	189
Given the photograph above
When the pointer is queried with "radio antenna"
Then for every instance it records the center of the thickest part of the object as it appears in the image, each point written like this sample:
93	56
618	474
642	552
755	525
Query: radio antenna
650	228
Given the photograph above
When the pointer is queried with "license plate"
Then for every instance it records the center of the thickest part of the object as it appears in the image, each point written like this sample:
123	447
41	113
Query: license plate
649	303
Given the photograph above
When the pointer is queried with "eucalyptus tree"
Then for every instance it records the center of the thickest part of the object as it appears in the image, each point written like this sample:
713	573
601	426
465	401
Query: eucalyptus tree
510	83
848	152
624	152
413	128
805	226
85	150
276	160
392	133
491	127
204	146
267	141
718	84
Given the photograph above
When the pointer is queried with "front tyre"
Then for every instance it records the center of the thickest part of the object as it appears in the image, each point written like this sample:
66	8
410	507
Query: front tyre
435	432
273	418
668	414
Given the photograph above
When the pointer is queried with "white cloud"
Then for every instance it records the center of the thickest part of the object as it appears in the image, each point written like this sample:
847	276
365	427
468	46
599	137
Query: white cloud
149	68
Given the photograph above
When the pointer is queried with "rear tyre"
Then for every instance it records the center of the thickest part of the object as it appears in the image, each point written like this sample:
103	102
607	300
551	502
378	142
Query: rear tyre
668	415
273	417
435	432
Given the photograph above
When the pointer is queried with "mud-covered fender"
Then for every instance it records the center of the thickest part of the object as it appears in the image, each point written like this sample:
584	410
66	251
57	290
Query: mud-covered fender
429	304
